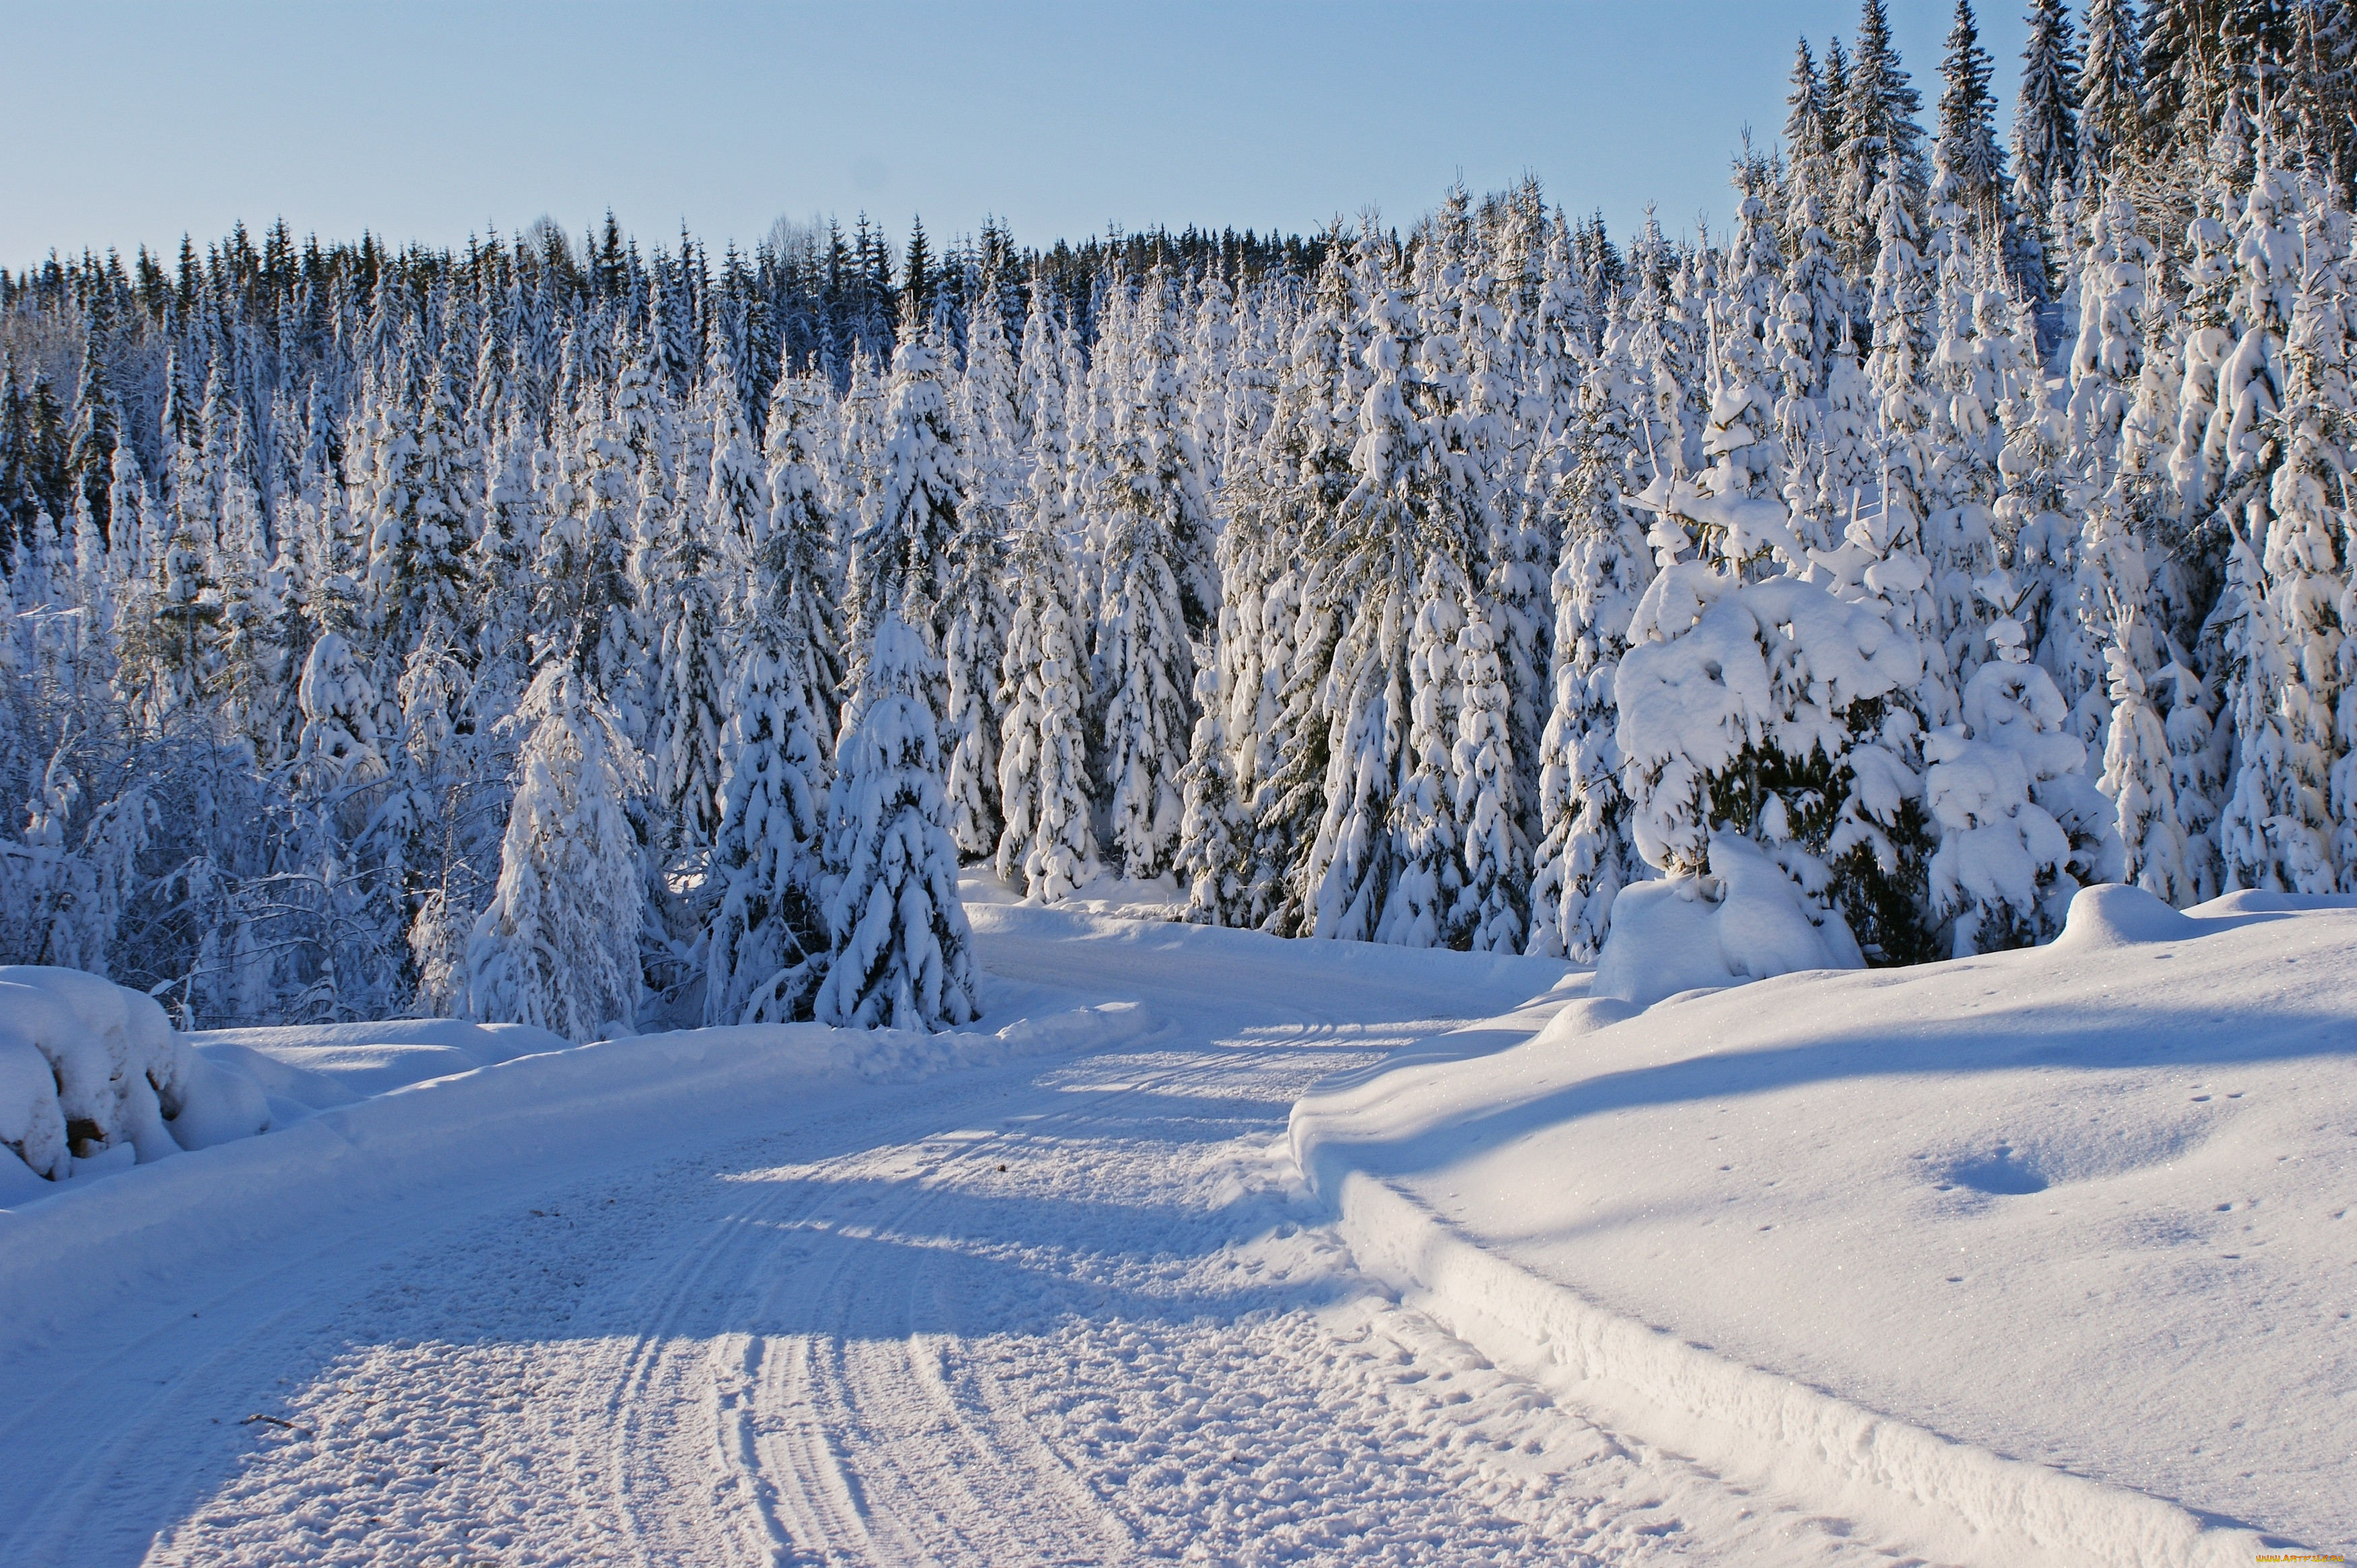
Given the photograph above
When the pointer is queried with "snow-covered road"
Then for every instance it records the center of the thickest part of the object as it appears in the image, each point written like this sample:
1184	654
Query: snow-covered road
1076	1310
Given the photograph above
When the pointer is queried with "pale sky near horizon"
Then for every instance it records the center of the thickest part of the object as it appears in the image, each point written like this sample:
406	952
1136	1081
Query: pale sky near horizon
133	123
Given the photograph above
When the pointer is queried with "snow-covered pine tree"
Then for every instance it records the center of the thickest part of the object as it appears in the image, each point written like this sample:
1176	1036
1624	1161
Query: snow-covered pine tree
903	954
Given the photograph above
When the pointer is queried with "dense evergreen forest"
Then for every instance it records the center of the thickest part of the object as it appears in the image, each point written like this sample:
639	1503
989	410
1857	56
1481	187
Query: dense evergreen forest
567	632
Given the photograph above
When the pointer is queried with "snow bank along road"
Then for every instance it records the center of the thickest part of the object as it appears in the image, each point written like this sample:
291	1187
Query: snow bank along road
1065	1310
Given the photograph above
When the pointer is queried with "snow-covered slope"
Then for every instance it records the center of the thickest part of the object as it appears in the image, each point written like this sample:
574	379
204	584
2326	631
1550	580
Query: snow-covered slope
2093	1205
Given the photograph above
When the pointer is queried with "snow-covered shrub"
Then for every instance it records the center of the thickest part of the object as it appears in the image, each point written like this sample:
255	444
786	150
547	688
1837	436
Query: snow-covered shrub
87	1067
1743	920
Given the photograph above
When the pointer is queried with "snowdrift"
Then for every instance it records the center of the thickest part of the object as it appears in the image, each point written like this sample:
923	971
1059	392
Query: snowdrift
2038	1256
317	1067
93	1079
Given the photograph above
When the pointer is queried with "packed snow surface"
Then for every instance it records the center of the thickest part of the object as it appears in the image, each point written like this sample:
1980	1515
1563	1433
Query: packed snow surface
2093	1205
1045	1291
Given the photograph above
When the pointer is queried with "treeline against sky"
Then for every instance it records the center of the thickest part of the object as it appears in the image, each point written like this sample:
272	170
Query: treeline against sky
562	631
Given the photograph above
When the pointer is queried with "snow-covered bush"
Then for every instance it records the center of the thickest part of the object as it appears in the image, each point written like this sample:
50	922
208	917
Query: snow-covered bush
90	1071
1742	919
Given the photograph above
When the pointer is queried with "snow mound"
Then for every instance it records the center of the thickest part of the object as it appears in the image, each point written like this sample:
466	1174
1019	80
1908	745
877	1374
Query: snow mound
2251	901
2116	915
1744	920
92	1078
320	1065
2087	1205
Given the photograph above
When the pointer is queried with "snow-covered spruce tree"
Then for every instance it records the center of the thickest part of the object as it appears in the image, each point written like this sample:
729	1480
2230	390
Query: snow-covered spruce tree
677	569
1384	535
1426	886
1881	142
1212	862
1048	847
413	503
501	565
557	945
339	748
1204	368
2107	357
975	648
2139	776
1808	136
1491	913
905	535
2206	322
766	946
2006	786
1586	855
1967	135
1181	483
902	954
2111	87
1294	490
437	829
2289	821
2045	132
557	948
1778	712
1144	666
973	632
2116	598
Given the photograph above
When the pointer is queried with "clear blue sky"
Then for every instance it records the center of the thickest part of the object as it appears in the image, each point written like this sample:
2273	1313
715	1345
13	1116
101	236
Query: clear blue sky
133	123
